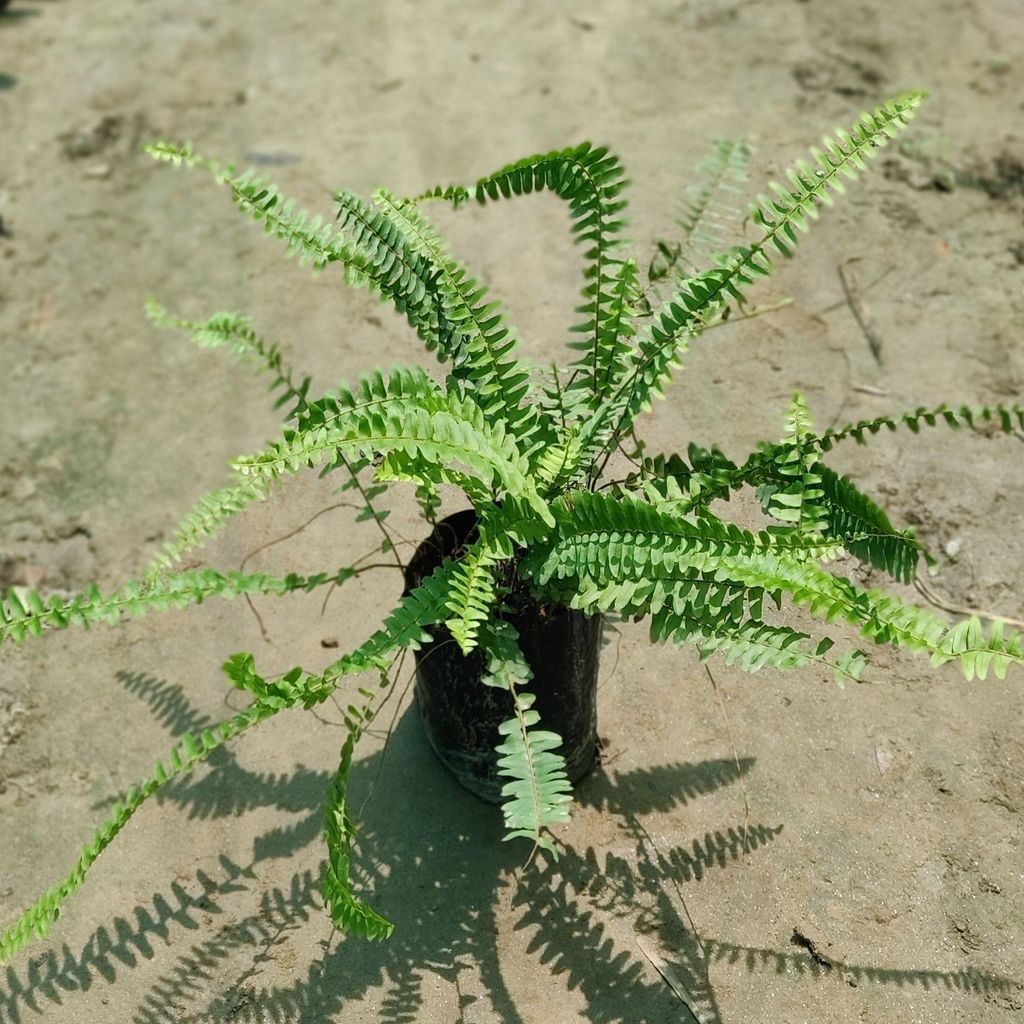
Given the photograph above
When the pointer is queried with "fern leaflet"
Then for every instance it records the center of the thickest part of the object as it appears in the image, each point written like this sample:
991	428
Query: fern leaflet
348	912
237	333
538	792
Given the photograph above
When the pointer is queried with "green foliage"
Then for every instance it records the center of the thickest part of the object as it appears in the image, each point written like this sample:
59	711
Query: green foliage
797	498
309	238
529	451
705	296
706	213
348	912
537	793
235	332
29	613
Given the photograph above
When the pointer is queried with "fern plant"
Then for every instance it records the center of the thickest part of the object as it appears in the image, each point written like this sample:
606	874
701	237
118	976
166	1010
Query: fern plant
531	453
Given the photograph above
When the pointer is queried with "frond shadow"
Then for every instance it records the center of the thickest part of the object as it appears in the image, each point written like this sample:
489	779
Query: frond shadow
226	788
12	15
641	887
166	701
429	858
642	790
781	962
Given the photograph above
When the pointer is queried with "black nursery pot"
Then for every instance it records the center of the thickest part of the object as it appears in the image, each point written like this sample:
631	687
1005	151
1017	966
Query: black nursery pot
461	715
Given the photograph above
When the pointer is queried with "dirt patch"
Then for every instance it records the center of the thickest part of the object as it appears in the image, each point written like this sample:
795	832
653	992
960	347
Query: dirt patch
782	849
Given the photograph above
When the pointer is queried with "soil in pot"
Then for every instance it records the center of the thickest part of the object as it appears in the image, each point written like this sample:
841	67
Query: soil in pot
461	715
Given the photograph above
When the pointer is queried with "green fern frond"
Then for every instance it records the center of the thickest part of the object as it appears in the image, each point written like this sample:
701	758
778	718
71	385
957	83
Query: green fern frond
1006	418
753	645
482	346
349	913
235	332
39	918
407	626
388	264
206	518
474	587
372	391
705	215
404	627
591	180
759	467
703	297
310	238
624	538
30	614
601	544
865	530
615	333
880	616
454	194
538	792
444	439
474	590
795	496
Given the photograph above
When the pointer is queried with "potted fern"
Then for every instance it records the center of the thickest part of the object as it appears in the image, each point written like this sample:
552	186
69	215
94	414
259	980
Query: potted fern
553	532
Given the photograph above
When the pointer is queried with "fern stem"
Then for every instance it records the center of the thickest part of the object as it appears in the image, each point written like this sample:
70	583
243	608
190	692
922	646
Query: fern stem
177	590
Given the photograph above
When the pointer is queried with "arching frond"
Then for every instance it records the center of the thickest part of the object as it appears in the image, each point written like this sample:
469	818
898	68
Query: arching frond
235	332
389	265
591	181
443	437
1006	418
407	626
759	468
753	645
214	510
703	296
482	344
602	544
347	911
705	213
310	238
30	614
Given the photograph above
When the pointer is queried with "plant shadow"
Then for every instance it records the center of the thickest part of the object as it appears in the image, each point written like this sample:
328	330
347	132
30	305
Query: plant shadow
430	859
13	15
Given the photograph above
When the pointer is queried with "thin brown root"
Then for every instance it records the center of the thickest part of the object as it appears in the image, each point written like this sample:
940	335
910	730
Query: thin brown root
934	599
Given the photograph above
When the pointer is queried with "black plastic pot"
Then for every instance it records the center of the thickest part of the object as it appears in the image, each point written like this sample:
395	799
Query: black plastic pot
461	715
